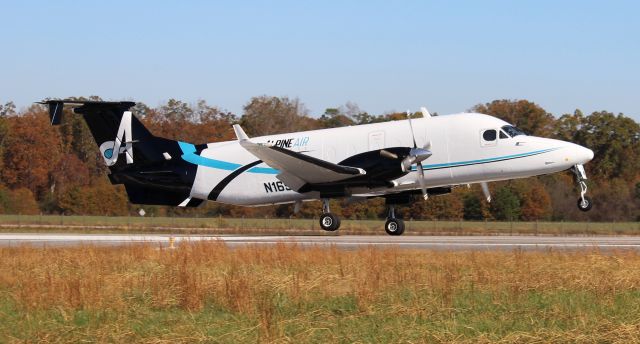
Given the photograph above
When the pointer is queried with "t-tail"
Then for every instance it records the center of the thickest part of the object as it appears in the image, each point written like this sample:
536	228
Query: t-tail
150	167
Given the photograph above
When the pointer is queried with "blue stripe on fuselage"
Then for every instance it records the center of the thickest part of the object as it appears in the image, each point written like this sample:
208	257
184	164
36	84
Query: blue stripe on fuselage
189	155
483	161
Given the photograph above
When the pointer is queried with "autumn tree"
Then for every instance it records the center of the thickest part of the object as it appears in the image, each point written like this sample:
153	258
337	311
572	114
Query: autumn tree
22	201
78	145
266	115
348	114
8	109
5	201
99	198
177	120
369	209
334	118
615	141
535	202
35	151
447	207
505	204
3	133
19	201
568	126
472	207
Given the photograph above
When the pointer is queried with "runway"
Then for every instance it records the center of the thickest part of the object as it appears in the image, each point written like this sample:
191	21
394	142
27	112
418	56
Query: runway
344	241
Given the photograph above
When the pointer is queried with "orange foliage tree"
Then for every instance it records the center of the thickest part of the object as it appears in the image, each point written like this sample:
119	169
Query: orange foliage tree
32	150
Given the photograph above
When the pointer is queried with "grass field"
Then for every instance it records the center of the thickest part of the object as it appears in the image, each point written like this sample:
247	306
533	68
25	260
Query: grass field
208	292
303	226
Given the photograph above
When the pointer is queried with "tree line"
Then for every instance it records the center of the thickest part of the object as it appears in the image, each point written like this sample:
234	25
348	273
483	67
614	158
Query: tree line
58	170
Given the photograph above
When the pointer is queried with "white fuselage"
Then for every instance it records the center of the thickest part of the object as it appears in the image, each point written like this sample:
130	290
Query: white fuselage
460	155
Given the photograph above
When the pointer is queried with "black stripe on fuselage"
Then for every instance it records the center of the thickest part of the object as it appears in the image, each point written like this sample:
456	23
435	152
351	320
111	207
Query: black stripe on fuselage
213	195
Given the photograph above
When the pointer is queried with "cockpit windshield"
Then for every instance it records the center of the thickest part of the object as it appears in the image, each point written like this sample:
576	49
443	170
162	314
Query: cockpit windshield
513	131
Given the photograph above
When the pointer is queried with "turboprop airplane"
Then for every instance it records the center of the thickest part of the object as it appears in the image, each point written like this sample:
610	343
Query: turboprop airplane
397	160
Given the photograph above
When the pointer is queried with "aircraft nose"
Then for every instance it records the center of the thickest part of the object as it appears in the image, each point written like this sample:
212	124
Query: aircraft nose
582	154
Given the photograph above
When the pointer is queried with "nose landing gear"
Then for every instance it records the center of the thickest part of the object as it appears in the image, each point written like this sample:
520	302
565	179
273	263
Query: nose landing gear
584	202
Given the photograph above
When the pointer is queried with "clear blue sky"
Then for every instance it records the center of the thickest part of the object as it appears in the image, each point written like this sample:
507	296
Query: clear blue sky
382	55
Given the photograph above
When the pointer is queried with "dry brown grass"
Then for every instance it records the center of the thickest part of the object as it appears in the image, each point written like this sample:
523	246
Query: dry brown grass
209	292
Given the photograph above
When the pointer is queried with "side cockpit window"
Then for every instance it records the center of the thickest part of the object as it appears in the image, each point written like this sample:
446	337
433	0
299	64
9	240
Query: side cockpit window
513	131
503	135
489	135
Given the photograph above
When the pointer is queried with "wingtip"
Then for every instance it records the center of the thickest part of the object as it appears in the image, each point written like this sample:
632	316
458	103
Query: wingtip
240	134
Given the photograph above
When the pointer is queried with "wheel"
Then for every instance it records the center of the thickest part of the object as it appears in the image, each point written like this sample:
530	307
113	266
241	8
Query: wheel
586	204
394	226
329	222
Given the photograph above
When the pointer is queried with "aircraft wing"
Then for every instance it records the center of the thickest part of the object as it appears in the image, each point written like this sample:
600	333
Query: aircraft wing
296	169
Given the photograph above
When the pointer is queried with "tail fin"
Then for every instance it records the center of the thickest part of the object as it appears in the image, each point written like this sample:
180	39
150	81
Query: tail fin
116	131
150	167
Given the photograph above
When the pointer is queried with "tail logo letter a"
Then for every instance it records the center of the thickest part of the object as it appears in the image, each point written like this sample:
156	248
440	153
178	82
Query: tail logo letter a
110	150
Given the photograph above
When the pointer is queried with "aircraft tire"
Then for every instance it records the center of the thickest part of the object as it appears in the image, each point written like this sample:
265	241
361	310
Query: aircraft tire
587	205
329	222
394	226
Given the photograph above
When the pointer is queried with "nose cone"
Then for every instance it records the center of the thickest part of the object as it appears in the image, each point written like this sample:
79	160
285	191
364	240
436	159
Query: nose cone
582	154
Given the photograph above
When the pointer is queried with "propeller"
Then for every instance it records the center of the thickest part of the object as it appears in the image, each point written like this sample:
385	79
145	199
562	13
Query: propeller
416	156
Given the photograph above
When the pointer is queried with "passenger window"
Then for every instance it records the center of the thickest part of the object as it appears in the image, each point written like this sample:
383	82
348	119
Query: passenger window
503	135
489	135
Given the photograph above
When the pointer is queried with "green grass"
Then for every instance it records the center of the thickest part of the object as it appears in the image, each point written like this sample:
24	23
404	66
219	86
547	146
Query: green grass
302	226
417	317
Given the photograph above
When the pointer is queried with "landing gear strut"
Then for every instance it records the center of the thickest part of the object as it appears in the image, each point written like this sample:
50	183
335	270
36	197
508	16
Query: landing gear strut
584	202
328	221
393	226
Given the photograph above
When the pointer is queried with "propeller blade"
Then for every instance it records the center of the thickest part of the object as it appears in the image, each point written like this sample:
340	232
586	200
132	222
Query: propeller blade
421	181
485	191
388	155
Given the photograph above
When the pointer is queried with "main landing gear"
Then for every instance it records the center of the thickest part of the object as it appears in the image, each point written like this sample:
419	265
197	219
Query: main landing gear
584	202
328	221
393	226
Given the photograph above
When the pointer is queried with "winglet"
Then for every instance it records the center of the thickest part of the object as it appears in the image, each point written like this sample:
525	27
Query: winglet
240	134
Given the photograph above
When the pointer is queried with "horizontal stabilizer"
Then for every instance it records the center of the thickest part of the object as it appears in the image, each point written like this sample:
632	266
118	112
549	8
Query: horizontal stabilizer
56	106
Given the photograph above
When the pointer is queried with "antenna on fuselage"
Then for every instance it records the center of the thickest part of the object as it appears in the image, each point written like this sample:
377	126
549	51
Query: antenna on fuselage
425	112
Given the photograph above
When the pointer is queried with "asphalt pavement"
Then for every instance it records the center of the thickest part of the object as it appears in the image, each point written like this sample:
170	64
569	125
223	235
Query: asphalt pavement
493	242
